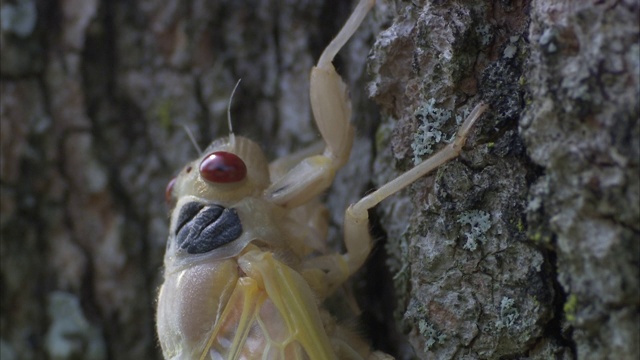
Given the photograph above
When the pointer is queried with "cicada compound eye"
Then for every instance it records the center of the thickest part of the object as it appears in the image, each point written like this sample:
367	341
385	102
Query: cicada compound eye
223	167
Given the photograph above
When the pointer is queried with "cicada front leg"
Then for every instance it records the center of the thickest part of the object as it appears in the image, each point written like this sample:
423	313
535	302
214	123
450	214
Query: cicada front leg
332	112
314	174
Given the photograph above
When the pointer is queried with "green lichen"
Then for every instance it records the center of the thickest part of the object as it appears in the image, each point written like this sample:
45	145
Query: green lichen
536	237
522	81
479	222
570	308
163	112
539	239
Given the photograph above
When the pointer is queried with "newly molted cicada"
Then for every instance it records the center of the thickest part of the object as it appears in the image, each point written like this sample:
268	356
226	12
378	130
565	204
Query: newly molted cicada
245	273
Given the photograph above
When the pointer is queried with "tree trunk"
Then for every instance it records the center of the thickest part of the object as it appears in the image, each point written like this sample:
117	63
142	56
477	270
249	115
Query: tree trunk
524	247
527	246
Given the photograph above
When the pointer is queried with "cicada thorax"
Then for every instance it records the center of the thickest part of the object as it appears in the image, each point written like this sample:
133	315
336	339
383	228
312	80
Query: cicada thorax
220	208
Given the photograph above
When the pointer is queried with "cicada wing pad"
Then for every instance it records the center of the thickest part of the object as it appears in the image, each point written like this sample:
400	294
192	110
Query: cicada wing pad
271	314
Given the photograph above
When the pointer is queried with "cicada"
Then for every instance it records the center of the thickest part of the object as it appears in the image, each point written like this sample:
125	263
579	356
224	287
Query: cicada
245	270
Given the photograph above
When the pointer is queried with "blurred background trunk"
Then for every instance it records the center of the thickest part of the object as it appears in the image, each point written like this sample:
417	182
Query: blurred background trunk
525	247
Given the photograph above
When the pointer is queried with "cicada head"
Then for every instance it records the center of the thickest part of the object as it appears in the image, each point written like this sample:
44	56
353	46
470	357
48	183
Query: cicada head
226	172
208	219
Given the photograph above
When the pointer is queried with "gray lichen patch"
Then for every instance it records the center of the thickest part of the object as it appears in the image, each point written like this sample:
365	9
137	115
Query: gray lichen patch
478	222
432	335
429	132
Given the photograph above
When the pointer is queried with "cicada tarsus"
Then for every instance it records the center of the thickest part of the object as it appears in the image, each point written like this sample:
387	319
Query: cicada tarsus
246	271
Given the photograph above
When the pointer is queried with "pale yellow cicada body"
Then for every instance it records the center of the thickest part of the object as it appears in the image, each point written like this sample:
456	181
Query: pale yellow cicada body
246	269
236	285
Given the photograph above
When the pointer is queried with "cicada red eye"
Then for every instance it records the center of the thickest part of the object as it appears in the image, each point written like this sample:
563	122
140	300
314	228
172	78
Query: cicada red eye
168	192
223	167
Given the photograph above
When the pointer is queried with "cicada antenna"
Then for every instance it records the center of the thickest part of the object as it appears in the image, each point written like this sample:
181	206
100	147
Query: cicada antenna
232	137
192	138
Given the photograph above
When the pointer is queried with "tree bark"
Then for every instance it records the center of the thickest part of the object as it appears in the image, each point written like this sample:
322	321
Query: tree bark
527	246
524	247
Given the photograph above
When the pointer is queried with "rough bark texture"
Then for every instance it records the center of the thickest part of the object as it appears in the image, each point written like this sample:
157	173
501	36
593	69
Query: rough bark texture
95	95
525	247
470	283
582	127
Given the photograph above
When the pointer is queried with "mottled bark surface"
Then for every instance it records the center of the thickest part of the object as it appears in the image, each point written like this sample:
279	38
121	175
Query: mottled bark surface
582	127
469	281
95	95
525	247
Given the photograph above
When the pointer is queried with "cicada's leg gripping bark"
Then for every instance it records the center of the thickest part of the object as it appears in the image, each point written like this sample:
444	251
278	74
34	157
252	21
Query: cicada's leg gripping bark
356	235
356	221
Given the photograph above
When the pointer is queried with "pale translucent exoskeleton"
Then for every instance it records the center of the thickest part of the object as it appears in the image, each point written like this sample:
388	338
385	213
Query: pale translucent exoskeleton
246	269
